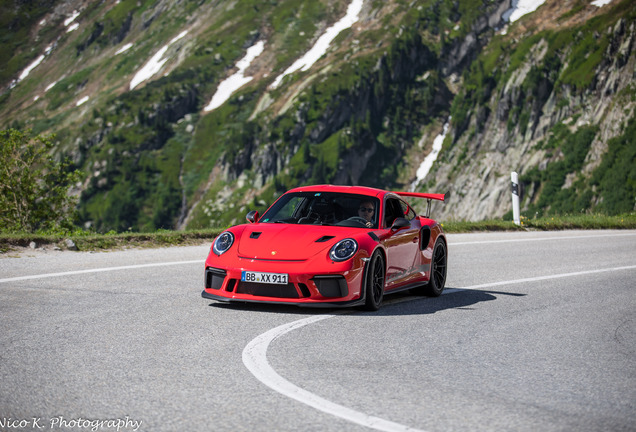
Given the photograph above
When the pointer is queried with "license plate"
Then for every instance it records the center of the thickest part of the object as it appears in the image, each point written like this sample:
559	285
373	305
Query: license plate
260	277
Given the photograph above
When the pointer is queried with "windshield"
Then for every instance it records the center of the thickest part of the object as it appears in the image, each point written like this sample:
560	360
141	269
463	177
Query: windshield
324	208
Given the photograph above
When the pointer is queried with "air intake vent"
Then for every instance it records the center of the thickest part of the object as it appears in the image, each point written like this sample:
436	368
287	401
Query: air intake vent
214	278
324	239
331	286
255	235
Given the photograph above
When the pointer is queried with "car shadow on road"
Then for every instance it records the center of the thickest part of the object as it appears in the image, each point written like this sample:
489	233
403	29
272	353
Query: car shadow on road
275	308
402	303
453	298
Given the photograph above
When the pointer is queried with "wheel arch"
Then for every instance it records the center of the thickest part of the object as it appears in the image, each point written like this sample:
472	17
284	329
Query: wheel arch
365	272
438	233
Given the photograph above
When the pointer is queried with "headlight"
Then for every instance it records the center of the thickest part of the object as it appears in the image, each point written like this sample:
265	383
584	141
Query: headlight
343	250
223	243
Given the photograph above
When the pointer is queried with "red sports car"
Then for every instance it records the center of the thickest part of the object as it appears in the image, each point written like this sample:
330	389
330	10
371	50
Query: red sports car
329	246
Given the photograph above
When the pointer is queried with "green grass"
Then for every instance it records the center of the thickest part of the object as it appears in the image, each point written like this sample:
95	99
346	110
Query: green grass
86	241
91	241
549	223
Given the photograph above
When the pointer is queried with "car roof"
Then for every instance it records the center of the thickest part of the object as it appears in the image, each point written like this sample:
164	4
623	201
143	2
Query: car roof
360	190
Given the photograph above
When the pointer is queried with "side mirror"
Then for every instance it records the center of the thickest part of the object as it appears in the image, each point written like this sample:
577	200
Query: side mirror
400	223
252	217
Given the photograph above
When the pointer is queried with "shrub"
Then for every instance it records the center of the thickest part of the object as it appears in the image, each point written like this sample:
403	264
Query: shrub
33	186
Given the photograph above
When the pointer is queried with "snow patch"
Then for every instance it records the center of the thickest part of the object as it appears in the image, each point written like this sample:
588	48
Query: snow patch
50	86
72	27
323	42
155	63
427	164
601	3
236	81
72	18
25	73
82	101
124	48
520	8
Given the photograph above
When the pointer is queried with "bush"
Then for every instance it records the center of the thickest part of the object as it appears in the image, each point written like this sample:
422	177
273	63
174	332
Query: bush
33	186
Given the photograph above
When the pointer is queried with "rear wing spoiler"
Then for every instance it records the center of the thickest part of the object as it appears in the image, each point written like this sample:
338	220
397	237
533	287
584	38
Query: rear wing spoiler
427	196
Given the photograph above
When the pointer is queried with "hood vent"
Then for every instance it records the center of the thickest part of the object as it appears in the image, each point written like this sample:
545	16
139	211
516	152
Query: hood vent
324	239
255	235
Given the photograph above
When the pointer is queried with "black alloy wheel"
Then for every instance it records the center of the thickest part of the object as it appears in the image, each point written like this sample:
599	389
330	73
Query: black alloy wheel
438	270
437	280
374	284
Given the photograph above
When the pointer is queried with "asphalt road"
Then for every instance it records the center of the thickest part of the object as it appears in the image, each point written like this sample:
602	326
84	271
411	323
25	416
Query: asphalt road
536	331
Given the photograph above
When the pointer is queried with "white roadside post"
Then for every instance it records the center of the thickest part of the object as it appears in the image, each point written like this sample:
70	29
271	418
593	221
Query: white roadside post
515	198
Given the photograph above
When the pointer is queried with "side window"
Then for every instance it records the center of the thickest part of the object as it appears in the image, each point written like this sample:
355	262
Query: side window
407	211
392	211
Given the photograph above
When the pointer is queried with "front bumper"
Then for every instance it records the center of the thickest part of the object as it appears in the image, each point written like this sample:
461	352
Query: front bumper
314	304
341	286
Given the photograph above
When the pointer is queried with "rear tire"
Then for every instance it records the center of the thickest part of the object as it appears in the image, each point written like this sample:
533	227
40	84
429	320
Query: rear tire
437	280
374	283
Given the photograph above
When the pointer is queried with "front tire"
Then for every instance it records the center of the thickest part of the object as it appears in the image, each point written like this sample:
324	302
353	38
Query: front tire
374	283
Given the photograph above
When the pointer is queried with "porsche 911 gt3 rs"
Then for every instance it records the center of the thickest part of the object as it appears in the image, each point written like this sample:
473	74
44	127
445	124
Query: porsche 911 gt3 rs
329	246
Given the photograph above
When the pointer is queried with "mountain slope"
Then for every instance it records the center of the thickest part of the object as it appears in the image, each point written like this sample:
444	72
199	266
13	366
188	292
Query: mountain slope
127	87
553	100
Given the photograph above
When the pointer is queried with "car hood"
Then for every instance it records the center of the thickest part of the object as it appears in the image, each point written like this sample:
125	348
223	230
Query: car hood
288	241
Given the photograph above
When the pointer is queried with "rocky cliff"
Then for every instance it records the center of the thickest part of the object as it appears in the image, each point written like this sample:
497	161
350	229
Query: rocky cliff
545	100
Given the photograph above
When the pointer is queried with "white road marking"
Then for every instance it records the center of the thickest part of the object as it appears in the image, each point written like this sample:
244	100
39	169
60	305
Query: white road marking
97	270
541	278
575	237
255	360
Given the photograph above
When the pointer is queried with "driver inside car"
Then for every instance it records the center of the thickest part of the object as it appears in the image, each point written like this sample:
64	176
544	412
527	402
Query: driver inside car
366	210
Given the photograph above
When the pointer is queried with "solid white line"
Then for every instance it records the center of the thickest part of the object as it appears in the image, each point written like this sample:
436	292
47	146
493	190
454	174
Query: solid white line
255	360
97	270
541	278
450	243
